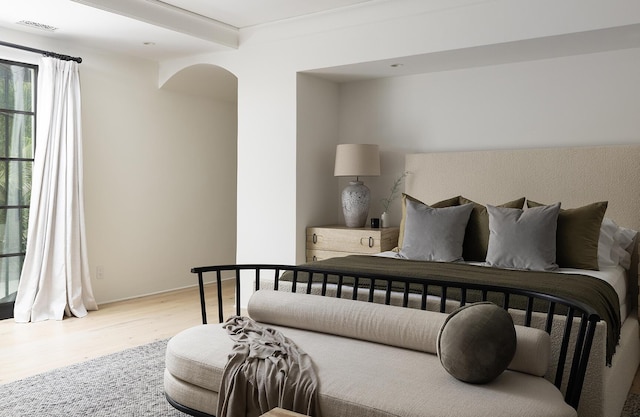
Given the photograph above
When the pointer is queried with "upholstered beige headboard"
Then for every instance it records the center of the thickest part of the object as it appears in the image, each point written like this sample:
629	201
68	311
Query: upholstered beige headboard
573	176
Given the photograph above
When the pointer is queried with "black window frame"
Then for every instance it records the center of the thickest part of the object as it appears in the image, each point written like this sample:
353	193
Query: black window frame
7	303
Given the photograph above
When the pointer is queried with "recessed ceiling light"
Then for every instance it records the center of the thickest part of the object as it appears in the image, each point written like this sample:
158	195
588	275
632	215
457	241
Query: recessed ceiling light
37	25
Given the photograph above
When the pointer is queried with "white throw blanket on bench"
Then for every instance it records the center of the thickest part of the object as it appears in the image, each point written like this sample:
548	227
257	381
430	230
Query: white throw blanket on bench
264	371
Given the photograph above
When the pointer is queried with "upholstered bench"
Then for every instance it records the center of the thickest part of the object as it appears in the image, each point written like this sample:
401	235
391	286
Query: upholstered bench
370	359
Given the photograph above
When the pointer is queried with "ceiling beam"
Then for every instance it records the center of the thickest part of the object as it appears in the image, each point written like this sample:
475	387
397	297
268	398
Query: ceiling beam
159	13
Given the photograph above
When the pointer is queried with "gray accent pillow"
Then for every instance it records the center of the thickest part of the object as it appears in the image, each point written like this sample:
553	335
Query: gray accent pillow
454	201
523	239
476	239
434	234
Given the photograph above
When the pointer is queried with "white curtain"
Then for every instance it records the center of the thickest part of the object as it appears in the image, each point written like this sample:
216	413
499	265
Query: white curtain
55	276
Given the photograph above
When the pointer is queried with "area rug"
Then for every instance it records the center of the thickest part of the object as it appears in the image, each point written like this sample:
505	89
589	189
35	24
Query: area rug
632	406
127	383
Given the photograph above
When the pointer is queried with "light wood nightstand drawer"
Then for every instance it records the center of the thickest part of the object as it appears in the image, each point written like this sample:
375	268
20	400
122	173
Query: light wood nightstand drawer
332	241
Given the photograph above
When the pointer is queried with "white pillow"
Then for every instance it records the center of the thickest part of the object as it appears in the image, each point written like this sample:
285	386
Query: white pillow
613	243
434	234
523	239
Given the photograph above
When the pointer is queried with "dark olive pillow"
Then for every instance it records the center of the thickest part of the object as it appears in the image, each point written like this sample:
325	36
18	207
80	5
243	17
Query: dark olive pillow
449	202
477	342
577	235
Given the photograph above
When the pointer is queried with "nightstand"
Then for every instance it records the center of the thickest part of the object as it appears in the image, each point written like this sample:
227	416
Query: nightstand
332	241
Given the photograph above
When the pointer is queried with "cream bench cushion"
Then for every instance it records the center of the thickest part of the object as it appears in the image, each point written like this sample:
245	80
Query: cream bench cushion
360	377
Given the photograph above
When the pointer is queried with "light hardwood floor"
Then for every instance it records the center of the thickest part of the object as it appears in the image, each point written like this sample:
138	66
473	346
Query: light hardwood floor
29	349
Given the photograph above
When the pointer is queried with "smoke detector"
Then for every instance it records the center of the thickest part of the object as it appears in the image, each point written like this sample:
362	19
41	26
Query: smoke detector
37	25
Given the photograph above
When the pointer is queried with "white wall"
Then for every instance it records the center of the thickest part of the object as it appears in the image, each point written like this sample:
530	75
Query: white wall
160	180
591	99
160	175
270	56
530	103
317	123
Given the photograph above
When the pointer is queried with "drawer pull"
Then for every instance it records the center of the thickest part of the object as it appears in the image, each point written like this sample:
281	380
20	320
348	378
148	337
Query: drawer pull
314	239
315	258
371	242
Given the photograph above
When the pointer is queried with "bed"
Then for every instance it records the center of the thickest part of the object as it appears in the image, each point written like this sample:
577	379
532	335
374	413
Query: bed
601	180
576	177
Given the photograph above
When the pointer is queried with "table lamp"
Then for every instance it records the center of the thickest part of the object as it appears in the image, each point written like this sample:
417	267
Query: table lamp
356	160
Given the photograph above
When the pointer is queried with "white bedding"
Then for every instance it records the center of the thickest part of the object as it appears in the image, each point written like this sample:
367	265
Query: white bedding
614	275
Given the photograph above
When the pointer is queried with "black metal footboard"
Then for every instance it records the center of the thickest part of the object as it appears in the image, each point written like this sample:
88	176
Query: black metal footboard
575	347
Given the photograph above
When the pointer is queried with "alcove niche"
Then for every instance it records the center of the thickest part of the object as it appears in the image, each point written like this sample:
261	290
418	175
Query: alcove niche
212	94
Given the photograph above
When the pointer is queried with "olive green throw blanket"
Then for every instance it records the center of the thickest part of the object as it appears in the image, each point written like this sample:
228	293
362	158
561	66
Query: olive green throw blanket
589	290
265	370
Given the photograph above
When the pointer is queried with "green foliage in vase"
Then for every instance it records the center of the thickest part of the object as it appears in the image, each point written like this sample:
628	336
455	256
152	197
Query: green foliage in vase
395	191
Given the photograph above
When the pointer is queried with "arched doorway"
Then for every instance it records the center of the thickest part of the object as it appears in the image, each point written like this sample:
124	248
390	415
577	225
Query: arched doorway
216	91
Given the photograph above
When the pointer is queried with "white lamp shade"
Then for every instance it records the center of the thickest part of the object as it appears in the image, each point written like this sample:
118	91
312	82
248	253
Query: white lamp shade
357	160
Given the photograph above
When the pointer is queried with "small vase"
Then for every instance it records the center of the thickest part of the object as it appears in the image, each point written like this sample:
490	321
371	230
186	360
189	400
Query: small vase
385	220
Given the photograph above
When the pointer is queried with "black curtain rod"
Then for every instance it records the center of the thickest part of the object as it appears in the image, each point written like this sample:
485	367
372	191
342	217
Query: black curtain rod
40	51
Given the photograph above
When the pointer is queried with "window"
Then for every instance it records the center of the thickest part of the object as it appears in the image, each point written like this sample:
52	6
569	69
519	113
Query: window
17	143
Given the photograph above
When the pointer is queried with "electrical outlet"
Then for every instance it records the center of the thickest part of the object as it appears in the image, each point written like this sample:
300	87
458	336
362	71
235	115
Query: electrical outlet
99	272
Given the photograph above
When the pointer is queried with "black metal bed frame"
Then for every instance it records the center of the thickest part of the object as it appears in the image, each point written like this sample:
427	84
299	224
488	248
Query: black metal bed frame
303	276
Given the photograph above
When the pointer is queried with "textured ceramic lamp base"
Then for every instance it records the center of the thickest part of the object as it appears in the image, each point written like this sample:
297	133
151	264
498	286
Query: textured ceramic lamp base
355	204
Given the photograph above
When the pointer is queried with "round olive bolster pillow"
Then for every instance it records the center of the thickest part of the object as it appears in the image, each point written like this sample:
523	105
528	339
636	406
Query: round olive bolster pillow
396	326
477	342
